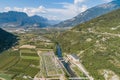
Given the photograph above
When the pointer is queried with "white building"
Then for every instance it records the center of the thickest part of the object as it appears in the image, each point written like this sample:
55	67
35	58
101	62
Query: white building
73	58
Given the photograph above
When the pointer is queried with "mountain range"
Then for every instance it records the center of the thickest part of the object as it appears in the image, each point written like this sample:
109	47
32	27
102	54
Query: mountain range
90	14
21	19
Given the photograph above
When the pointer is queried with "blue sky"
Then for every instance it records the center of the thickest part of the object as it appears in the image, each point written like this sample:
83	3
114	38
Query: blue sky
51	9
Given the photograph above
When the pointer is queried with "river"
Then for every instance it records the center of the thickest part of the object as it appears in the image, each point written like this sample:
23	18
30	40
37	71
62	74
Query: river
66	64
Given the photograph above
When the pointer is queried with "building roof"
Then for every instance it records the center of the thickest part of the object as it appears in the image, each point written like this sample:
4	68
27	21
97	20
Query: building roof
75	56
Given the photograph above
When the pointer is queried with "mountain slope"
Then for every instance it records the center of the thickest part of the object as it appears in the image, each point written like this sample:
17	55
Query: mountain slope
6	40
97	43
20	19
90	14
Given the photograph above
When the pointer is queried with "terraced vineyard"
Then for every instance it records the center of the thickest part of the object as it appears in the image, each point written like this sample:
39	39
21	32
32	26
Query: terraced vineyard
19	67
25	68
8	58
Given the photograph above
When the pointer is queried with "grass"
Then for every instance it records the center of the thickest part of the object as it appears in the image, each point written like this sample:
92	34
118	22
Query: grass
28	64
8	58
12	63
78	72
28	52
6	77
96	53
30	57
26	67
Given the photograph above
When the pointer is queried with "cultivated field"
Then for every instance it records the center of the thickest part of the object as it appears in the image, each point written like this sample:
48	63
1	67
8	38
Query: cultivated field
23	63
20	65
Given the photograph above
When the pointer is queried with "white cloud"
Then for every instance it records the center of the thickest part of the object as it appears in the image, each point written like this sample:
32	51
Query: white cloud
78	1
29	10
7	9
69	10
107	0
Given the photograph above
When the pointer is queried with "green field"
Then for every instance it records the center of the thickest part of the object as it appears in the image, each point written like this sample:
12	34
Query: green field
6	77
78	72
12	66
30	57
8	58
23	64
28	52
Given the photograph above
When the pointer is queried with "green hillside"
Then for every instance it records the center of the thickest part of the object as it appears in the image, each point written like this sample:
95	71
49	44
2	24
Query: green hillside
97	43
6	40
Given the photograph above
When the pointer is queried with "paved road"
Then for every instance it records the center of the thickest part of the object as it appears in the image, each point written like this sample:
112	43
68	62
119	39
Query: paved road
104	33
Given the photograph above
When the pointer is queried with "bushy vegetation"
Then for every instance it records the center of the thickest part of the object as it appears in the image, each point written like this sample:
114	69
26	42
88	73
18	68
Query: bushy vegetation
96	42
6	40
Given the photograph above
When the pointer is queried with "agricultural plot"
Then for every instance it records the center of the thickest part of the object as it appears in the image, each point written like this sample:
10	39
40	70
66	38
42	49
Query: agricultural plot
28	66
19	65
50	65
8	58
6	77
24	67
30	54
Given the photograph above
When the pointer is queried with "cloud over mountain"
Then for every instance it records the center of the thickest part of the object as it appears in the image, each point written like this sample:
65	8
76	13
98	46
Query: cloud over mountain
68	10
57	10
